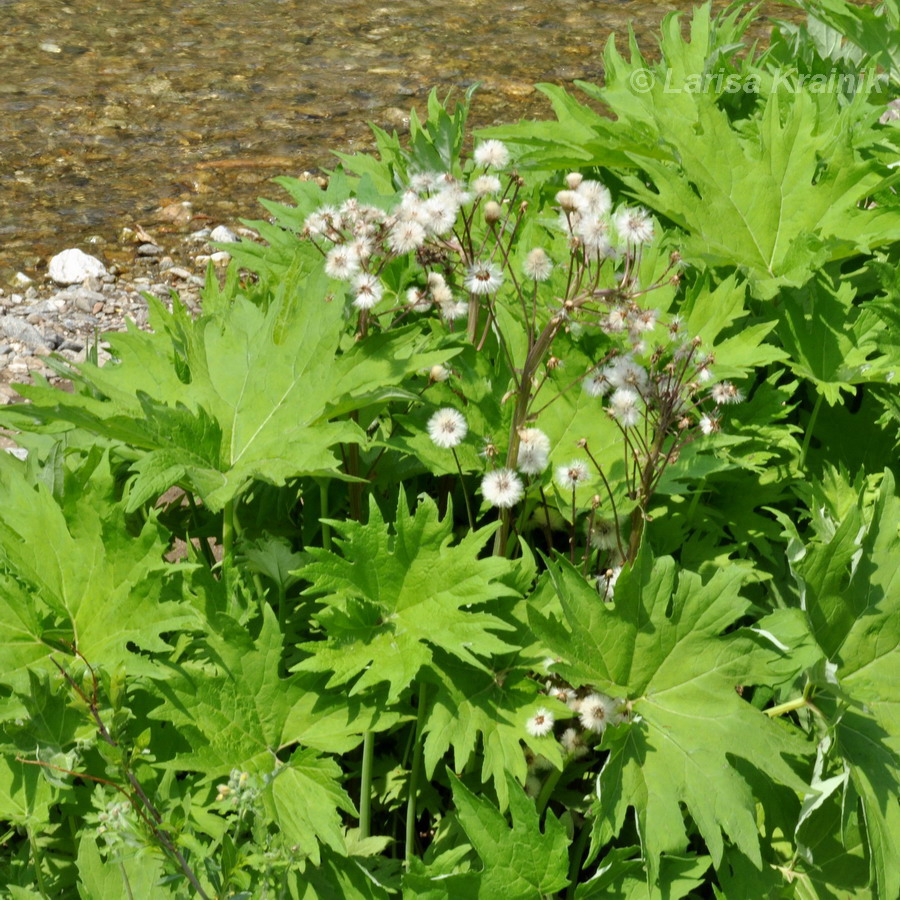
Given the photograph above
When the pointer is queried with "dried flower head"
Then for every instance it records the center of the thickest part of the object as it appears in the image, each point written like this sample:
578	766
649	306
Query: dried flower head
483	278
447	428
492	154
570	476
534	451
540	724
502	488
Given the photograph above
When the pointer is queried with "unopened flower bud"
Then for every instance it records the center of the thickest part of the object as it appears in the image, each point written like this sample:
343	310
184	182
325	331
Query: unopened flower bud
493	212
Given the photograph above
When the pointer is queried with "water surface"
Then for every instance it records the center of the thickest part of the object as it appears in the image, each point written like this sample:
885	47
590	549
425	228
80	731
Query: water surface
115	109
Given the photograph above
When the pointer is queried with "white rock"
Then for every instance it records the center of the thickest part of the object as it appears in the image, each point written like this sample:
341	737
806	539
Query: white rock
223	235
220	257
73	266
20	279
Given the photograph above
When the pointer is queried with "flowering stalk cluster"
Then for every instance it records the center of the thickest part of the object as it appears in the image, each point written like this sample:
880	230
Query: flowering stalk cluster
653	381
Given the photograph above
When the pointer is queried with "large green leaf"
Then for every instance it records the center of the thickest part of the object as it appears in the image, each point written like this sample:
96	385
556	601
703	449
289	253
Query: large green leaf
849	585
469	703
392	594
521	862
236	710
76	576
237	394
661	647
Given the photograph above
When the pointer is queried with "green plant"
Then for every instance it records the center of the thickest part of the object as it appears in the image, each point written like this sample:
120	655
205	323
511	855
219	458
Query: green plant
498	536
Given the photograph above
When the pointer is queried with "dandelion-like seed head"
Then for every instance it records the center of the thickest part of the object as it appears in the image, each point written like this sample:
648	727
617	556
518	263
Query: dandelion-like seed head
483	278
452	310
534	451
447	428
602	534
571	201
725	392
597	196
422	182
418	299
634	226
492	154
597	711
405	237
440	213
573	179
485	185
502	488
540	724
341	262
595	384
709	424
368	290
537	265
624	406
573	743
570	476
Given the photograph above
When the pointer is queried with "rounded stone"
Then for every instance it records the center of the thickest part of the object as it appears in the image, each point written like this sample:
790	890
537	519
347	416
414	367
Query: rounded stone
73	266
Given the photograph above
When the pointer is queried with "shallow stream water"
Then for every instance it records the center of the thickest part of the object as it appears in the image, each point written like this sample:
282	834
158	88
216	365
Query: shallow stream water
116	112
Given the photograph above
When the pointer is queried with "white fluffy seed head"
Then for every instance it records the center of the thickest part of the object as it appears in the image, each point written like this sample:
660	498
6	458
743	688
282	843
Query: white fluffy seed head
570	476
597	711
534	451
502	488
492	154
540	724
537	265
447	428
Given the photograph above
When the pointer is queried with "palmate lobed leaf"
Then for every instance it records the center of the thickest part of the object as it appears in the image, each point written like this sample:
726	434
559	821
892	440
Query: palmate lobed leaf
75	576
391	595
661	647
849	584
778	203
237	712
468	703
521	862
239	394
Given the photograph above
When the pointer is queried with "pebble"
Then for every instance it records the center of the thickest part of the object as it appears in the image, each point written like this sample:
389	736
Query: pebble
83	299
73	266
19	330
223	235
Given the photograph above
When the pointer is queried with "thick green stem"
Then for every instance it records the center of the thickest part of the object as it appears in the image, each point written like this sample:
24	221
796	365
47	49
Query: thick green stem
37	859
575	861
365	788
323	514
807	437
414	773
789	706
547	790
227	532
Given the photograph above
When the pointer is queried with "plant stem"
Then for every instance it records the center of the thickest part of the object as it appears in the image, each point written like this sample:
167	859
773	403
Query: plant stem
547	790
37	859
414	772
323	514
228	529
575	861
807	437
365	788
465	493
